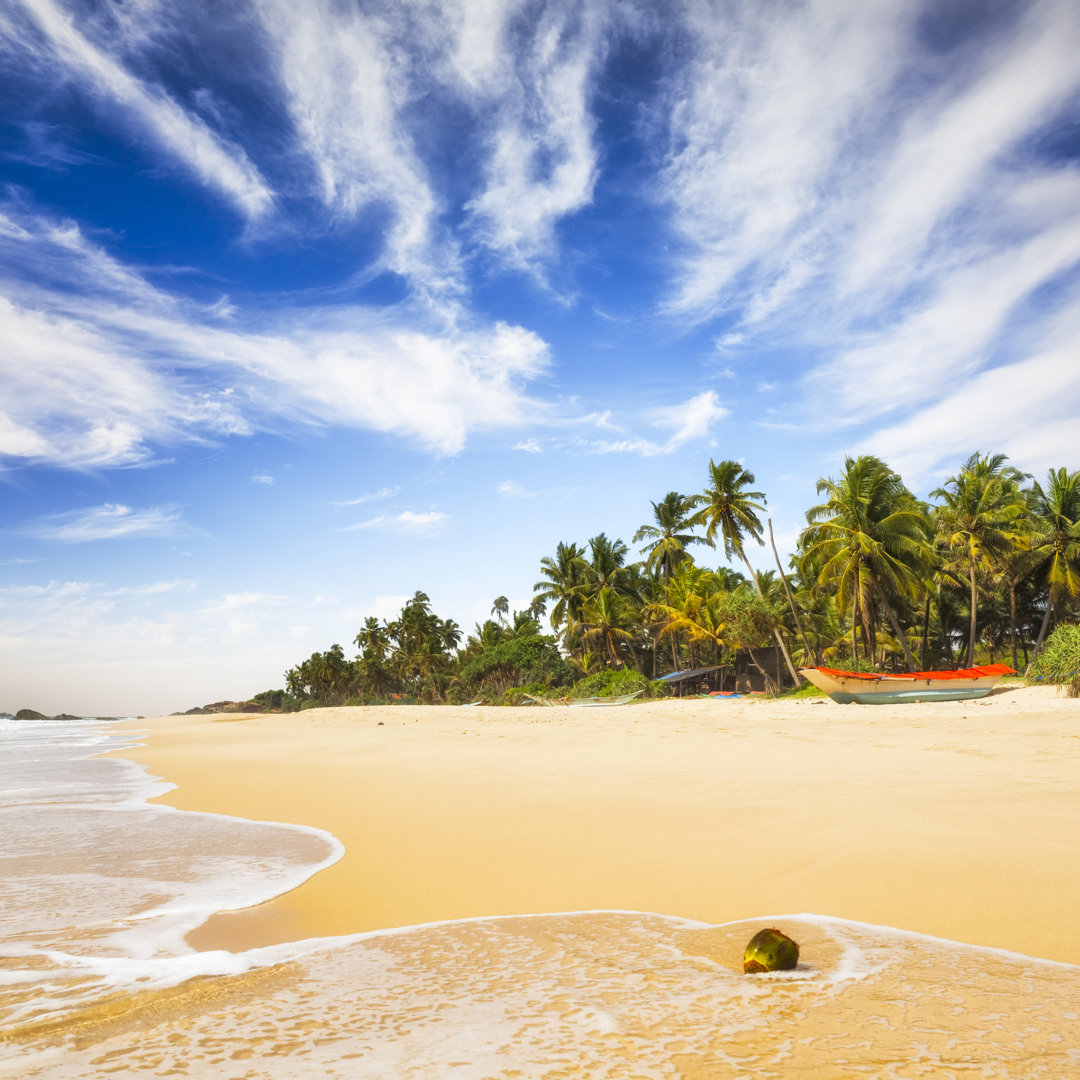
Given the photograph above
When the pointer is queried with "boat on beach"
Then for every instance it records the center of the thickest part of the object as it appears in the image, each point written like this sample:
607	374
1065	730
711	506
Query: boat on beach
587	702
874	688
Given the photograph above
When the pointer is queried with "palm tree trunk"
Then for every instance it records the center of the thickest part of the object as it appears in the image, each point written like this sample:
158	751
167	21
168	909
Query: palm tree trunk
776	633
790	599
1042	632
1012	620
925	633
974	611
895	623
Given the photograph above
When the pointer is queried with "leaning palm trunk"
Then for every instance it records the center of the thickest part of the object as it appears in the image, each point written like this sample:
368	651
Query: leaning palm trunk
776	633
895	623
790	599
1042	632
974	610
1012	620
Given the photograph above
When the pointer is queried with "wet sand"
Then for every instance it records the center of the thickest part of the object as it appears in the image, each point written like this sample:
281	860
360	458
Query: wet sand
959	819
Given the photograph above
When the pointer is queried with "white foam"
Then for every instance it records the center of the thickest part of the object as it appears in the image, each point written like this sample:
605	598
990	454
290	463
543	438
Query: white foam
102	885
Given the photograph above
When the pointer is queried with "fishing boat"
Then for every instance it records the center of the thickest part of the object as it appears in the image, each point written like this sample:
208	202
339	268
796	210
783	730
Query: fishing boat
872	688
586	702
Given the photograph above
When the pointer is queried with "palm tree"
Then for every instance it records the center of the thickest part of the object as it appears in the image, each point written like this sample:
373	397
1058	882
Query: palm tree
668	541
606	566
1056	540
670	536
564	587
869	538
610	620
372	640
500	608
980	521
727	508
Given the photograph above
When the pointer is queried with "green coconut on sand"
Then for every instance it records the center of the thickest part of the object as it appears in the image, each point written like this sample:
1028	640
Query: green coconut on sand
770	950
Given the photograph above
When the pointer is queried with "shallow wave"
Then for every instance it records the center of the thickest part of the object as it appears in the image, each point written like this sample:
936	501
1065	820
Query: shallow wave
100	887
595	995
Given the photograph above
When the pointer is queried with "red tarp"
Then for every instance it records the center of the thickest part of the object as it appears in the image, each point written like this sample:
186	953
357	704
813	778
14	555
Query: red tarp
962	673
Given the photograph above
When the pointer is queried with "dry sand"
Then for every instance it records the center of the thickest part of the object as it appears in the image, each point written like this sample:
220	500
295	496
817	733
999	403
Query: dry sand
957	819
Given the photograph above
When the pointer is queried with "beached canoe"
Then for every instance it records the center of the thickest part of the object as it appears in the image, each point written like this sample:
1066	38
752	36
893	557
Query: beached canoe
871	688
586	702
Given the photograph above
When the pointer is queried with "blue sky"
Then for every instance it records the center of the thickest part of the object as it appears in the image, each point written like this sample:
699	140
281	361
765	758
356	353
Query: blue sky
306	306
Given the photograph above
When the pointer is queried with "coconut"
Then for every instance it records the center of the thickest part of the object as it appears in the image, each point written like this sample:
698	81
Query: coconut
770	950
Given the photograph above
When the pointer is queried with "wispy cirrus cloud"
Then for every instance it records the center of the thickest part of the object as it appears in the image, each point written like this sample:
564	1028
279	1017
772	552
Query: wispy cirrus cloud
542	162
100	367
690	421
408	521
215	162
371	496
111	521
904	223
347	75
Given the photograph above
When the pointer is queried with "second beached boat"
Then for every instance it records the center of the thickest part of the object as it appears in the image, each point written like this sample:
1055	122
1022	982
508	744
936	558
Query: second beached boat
871	688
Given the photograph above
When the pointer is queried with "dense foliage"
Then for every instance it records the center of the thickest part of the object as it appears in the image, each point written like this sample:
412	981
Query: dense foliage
1059	662
879	580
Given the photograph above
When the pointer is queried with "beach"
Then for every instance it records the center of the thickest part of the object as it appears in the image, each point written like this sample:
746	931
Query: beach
554	892
956	819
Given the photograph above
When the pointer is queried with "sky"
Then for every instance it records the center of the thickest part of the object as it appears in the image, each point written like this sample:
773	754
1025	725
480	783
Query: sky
307	306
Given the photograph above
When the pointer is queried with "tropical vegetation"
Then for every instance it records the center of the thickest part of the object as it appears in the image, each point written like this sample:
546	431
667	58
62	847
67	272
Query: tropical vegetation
987	569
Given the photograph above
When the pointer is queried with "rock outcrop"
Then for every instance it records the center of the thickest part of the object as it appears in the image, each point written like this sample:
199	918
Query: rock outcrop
223	707
30	714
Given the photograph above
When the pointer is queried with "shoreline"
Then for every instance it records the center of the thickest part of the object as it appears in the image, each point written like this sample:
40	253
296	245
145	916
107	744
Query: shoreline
955	820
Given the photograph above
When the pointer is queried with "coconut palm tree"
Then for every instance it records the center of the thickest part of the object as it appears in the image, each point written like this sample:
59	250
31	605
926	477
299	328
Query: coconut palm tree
1055	542
867	540
729	509
372	641
500	608
564	587
980	521
667	542
610	620
606	566
669	538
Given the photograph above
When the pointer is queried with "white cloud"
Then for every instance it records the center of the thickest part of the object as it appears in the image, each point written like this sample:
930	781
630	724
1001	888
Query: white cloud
952	142
511	489
542	163
529	446
408	521
761	120
214	162
382	493
111	521
940	344
345	74
99	367
1029	410
689	421
263	478
382	607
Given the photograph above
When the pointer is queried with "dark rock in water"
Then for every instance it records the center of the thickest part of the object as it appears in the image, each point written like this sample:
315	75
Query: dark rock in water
66	716
29	714
770	950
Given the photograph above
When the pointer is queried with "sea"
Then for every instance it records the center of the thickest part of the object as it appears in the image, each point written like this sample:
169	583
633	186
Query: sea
100	887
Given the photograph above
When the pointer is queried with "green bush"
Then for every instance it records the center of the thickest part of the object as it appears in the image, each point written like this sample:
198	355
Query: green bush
615	683
1059	661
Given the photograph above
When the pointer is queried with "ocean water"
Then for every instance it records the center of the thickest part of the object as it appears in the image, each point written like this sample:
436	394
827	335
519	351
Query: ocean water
98	889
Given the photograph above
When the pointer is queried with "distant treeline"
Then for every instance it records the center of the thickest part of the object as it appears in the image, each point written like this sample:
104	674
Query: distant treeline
879	580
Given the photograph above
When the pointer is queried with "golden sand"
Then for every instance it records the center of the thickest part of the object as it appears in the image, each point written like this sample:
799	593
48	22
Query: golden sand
956	819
